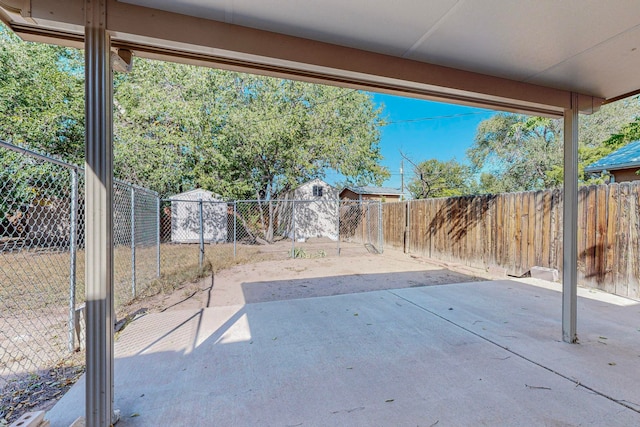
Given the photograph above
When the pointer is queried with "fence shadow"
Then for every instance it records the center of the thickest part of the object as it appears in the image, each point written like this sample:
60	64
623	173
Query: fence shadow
277	290
458	215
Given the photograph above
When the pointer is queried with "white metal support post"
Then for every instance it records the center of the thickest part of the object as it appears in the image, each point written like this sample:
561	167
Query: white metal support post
99	217
570	224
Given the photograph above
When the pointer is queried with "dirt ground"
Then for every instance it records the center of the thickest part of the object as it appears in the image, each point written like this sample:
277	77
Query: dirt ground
306	278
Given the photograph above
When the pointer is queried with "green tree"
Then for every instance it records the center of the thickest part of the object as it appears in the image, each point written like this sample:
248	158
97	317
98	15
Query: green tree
177	127
166	118
41	107
241	136
513	152
610	123
41	97
517	150
628	133
434	178
281	133
489	184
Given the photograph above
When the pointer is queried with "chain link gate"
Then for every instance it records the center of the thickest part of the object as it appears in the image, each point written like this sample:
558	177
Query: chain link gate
361	222
38	229
42	268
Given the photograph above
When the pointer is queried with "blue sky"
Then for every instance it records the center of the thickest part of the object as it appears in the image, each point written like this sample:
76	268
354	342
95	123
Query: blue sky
447	133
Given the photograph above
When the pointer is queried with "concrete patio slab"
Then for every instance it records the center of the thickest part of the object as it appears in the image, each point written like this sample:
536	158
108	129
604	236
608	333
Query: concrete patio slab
482	353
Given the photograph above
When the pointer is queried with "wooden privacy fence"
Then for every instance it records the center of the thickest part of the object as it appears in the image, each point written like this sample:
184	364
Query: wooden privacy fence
517	231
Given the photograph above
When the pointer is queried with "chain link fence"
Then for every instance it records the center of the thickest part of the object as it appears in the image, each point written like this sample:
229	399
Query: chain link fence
42	270
136	240
199	231
42	262
35	260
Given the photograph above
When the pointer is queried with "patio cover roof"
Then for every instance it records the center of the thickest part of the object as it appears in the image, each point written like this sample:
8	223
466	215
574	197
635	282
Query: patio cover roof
519	56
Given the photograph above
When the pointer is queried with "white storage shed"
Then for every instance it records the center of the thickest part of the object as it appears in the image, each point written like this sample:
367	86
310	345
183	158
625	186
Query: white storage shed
312	211
185	217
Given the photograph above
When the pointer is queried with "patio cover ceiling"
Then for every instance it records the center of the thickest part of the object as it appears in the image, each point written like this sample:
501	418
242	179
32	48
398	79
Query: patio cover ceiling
520	56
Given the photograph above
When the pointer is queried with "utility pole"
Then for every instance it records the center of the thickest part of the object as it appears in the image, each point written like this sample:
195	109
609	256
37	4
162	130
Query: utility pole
402	176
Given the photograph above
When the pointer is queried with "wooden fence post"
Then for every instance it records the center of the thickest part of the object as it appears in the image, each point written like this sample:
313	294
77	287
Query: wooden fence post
406	226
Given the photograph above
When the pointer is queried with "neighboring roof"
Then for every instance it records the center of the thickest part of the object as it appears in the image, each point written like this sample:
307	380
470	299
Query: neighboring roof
623	158
377	191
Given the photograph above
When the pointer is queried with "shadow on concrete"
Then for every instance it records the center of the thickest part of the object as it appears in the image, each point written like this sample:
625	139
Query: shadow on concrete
276	290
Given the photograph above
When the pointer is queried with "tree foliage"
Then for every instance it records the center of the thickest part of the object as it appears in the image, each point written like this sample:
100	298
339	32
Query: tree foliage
41	97
630	132
42	107
177	127
435	178
513	152
603	132
282	133
164	121
239	135
517	150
